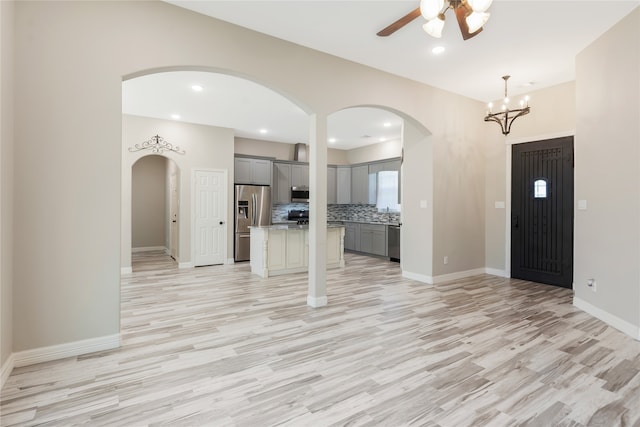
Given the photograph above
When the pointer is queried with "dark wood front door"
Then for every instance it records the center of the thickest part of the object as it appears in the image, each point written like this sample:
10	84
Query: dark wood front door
542	211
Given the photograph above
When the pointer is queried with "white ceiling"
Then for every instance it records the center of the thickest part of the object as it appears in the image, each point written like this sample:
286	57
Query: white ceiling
536	42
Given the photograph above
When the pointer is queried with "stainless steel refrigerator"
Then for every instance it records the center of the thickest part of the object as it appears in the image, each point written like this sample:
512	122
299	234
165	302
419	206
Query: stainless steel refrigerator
252	207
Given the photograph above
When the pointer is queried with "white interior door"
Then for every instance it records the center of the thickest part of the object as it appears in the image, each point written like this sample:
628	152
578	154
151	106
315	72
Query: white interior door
173	208
210	218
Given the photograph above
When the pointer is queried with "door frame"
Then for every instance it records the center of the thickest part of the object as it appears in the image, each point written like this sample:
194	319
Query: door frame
509	165
225	207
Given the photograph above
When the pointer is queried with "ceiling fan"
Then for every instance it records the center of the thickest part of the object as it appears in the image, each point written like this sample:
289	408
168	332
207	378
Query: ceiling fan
471	16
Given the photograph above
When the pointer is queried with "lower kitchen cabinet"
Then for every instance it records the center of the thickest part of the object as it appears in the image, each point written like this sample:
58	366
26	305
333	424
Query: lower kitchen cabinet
366	238
373	239
352	236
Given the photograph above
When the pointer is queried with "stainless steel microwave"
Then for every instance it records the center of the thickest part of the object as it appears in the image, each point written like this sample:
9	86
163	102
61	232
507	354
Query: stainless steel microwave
300	194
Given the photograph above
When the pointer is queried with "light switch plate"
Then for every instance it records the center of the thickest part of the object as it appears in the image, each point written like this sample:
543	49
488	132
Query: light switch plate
499	205
582	205
423	204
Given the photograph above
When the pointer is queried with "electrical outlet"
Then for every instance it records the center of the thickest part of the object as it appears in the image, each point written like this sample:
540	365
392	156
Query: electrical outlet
592	284
446	260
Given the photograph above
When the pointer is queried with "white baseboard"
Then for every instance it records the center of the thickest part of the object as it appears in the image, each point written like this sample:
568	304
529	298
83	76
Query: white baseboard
417	277
458	275
496	272
6	369
60	351
622	325
126	270
185	265
150	248
316	302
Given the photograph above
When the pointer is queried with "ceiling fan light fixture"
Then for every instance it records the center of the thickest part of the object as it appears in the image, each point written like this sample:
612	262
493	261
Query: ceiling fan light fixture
430	9
476	20
434	27
479	6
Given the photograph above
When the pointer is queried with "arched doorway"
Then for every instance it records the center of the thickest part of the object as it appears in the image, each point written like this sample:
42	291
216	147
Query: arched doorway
154	207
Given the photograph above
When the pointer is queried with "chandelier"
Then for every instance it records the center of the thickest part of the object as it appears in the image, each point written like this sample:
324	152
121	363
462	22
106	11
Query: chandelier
506	117
471	15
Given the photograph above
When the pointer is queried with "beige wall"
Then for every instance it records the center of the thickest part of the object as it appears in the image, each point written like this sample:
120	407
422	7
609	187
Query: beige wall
6	181
416	238
607	158
206	147
149	214
458	187
379	151
255	147
284	151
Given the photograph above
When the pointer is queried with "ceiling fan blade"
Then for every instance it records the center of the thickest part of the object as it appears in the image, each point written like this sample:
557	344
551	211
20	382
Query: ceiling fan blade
399	23
461	15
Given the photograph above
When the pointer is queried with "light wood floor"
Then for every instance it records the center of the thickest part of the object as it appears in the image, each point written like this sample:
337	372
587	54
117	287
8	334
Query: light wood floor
219	346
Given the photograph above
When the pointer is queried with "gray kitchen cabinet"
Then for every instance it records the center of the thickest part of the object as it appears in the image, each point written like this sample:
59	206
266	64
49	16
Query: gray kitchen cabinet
299	175
360	184
352	236
377	167
281	191
252	171
343	185
373	239
285	176
332	194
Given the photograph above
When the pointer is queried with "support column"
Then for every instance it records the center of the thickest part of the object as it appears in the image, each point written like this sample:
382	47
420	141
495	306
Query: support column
317	296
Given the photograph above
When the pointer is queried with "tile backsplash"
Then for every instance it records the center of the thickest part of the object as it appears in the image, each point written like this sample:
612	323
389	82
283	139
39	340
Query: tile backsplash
337	212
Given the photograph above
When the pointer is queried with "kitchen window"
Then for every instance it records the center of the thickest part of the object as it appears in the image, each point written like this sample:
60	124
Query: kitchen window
387	191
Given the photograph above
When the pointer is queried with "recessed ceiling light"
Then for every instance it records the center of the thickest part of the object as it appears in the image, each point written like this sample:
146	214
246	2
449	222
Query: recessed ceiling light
263	131
437	50
387	124
175	116
332	140
197	88
527	84
383	139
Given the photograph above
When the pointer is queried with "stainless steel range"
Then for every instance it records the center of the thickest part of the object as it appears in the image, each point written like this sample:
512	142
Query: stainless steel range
301	217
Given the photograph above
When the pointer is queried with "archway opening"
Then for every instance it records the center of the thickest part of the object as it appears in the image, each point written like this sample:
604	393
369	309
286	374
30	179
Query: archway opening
154	212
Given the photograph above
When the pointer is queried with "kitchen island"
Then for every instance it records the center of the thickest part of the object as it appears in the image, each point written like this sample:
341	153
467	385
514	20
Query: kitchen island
284	249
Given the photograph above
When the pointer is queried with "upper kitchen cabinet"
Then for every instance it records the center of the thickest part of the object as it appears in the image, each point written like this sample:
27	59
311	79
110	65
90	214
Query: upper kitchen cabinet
252	171
300	175
332	177
360	184
343	185
281	192
287	175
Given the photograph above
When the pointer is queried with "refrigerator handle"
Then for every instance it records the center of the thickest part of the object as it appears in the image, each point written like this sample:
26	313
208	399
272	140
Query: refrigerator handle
254	207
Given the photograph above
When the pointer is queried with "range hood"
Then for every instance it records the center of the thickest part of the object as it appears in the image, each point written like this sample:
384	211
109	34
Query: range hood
300	153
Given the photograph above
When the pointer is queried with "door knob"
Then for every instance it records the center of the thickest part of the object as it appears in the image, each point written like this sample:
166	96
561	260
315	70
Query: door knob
174	221
221	222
